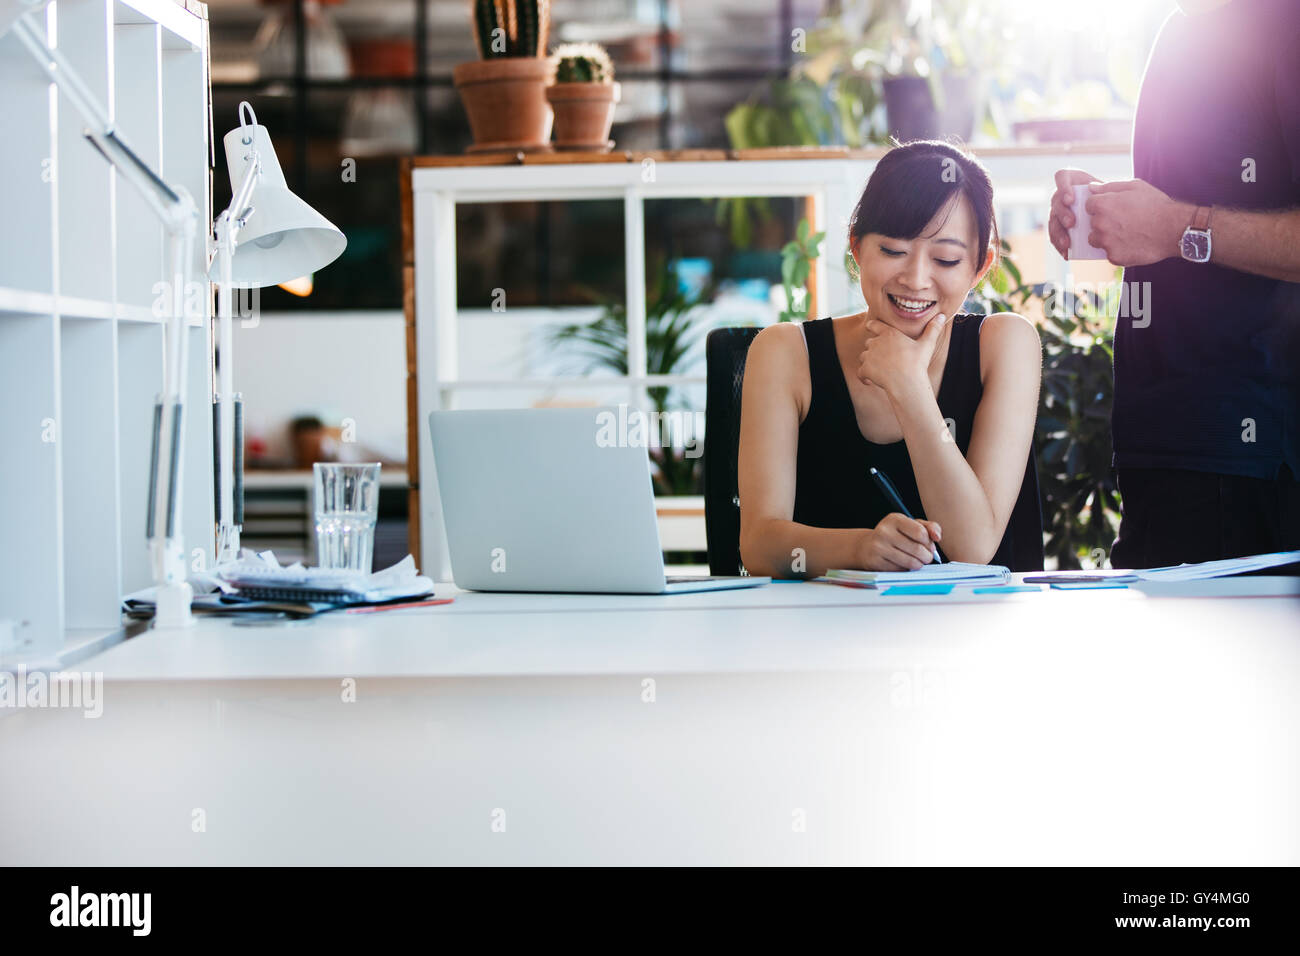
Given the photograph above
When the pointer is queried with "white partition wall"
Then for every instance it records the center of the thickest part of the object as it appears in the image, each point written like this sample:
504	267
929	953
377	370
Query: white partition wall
81	262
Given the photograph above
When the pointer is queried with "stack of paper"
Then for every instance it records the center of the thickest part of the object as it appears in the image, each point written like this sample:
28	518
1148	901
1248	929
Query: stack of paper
1219	569
261	576
954	572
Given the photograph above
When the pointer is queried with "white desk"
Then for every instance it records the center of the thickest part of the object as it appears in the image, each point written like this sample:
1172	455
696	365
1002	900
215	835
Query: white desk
795	723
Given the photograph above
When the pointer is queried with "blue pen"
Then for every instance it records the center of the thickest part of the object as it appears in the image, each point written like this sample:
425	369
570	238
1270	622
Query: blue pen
890	492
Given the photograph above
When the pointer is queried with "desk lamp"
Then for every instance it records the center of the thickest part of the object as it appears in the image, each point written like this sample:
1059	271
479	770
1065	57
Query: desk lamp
266	236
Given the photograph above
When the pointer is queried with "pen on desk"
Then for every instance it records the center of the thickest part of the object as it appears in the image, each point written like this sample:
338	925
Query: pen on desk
395	607
891	494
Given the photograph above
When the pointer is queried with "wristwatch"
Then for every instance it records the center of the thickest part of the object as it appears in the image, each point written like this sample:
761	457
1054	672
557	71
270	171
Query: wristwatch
1195	245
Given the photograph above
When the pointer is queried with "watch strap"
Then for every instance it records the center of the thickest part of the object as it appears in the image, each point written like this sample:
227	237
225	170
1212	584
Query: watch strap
1201	220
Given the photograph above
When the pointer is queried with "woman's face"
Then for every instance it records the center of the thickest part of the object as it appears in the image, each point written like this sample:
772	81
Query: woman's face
907	282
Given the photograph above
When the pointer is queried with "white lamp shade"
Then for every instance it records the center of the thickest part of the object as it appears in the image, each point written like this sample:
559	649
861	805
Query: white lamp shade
284	238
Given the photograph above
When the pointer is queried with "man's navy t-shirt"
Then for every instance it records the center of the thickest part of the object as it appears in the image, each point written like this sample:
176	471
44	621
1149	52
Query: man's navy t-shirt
1211	383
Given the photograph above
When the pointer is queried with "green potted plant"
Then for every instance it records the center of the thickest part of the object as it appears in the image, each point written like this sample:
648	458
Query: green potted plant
504	91
1081	504
673	335
930	60
583	96
797	257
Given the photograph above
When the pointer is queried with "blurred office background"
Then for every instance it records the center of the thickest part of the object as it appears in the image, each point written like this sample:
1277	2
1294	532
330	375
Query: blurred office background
349	87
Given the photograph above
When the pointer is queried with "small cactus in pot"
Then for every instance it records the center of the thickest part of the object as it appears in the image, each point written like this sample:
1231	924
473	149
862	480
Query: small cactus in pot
582	63
504	90
583	96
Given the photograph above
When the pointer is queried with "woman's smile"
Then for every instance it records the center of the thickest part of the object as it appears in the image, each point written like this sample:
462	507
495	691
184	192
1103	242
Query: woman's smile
911	307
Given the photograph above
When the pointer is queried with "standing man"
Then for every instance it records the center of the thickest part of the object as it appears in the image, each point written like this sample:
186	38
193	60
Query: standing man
1206	420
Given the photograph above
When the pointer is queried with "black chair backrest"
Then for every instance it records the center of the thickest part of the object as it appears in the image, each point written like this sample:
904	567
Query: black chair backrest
1022	542
725	351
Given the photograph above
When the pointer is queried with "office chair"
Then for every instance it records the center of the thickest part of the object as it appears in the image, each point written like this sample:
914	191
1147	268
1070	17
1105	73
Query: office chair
725	351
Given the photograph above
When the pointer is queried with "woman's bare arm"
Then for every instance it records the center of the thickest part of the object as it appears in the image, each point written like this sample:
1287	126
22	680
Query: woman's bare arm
972	496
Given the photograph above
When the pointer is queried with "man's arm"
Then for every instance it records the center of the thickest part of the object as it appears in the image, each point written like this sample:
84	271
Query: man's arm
1262	243
1138	224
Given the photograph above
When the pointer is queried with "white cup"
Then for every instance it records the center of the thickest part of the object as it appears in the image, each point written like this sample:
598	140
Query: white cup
1079	245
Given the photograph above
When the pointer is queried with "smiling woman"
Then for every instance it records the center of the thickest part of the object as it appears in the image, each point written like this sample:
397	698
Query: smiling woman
941	402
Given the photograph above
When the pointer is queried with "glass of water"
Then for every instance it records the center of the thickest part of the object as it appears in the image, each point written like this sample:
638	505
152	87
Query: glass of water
347	503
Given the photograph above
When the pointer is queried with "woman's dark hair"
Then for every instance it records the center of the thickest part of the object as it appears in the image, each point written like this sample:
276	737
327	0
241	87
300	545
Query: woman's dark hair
913	181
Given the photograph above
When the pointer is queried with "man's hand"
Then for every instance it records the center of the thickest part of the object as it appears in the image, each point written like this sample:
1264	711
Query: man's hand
896	361
1061	218
1135	223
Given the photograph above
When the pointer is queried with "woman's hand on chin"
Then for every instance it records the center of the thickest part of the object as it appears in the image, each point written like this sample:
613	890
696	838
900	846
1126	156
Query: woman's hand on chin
894	361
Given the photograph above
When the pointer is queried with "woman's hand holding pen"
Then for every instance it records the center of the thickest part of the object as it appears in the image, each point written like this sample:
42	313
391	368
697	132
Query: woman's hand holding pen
895	361
898	543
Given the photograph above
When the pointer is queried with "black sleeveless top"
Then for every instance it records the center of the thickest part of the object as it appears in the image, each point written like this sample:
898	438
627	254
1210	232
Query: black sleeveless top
834	488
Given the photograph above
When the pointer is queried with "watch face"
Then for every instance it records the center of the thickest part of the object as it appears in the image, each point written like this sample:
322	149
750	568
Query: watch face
1196	245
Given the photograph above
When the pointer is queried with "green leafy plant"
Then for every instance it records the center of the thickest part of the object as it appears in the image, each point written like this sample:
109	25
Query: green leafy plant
582	63
833	94
672	339
511	28
793	111
1072	437
796	264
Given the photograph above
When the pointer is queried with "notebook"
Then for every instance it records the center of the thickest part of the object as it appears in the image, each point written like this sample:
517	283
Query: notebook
954	572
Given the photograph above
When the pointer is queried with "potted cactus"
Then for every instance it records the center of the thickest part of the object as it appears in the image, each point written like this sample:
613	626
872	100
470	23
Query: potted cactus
583	95
504	90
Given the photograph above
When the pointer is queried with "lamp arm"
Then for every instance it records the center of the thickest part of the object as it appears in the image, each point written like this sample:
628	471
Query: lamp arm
173	207
227	435
239	209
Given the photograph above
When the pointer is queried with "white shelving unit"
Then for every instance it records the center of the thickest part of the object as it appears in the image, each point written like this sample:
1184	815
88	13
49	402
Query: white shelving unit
81	259
1022	176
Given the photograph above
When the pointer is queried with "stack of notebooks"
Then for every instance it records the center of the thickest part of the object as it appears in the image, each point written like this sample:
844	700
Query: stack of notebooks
258	586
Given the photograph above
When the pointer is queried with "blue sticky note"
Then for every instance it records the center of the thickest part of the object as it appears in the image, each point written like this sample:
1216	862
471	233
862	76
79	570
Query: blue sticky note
1007	589
918	589
1088	586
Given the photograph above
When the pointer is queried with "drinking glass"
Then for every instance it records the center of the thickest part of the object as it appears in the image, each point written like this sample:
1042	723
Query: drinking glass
346	503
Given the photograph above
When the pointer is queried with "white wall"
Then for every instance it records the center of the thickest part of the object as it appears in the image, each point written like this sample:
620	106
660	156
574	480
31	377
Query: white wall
334	365
337	365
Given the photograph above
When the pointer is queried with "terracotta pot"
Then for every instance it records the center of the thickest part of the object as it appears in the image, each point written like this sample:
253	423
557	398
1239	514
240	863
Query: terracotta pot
506	102
584	112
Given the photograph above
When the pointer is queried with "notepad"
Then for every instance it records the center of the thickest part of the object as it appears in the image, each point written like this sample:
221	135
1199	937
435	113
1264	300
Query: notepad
1081	577
954	572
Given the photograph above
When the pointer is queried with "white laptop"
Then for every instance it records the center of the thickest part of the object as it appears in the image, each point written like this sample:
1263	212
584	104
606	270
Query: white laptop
539	499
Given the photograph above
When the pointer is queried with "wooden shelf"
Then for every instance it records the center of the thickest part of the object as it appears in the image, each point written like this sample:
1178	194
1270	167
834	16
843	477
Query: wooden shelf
512	158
